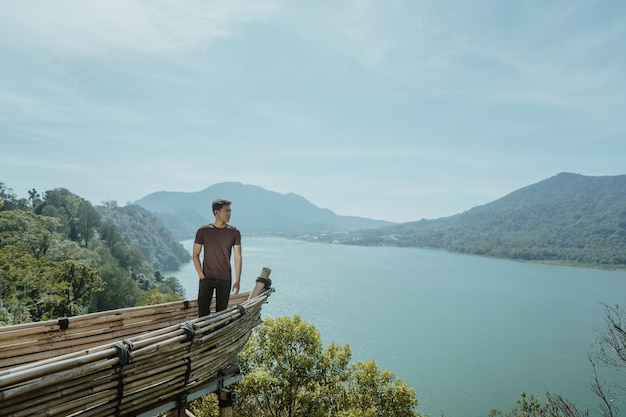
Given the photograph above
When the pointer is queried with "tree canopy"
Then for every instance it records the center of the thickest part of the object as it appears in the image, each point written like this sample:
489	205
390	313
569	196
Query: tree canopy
145	232
288	373
58	259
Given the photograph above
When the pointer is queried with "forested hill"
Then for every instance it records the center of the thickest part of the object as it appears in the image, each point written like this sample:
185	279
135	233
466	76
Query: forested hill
144	231
59	257
568	218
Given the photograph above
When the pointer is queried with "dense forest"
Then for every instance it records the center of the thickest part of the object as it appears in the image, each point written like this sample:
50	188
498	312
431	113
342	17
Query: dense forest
569	219
143	230
59	258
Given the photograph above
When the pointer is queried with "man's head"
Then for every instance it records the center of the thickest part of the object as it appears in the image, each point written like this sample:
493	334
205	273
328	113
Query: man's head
221	210
219	203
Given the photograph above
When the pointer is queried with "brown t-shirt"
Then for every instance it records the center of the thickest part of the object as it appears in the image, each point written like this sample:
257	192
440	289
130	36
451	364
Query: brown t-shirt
217	247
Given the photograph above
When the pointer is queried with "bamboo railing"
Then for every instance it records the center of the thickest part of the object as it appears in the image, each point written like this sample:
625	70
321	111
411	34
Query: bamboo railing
129	362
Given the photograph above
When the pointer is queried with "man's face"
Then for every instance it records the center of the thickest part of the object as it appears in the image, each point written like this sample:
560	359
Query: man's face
223	214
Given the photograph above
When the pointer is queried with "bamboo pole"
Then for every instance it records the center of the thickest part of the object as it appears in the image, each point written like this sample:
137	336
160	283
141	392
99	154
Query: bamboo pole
164	357
225	401
64	389
33	342
262	283
72	368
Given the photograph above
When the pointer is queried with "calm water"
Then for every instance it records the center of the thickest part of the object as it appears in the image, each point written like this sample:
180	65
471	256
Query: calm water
468	333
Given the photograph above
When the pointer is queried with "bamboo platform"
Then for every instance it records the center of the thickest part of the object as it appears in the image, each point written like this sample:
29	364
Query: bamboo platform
137	361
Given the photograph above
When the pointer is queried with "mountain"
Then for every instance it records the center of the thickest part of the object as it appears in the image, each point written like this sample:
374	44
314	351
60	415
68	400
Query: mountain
255	211
568	218
142	230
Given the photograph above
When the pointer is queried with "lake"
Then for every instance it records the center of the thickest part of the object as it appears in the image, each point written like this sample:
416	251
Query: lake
467	333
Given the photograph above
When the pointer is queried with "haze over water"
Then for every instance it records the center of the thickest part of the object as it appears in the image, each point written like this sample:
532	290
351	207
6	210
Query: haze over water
467	333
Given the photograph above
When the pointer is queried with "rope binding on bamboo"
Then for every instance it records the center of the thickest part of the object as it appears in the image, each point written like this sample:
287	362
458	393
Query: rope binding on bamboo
266	281
190	331
242	310
123	349
64	323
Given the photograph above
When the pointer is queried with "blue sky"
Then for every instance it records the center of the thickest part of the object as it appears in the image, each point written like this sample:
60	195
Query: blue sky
395	110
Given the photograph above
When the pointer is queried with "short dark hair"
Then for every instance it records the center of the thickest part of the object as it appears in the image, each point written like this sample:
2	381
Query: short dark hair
219	203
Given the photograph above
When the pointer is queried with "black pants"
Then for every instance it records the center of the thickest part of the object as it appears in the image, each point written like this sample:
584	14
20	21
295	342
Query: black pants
205	295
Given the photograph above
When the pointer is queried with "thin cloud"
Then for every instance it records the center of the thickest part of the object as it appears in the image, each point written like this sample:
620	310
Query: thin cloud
422	103
90	27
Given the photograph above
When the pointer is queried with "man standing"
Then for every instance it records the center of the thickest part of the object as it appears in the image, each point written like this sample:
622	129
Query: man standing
218	239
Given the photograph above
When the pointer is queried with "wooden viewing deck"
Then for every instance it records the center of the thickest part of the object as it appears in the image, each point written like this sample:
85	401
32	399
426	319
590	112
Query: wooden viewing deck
138	361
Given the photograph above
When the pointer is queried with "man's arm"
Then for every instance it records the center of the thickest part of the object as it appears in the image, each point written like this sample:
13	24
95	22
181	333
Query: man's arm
238	262
195	256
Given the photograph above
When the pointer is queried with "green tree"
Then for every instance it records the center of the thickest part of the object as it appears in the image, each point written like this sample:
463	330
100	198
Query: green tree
81	284
44	275
9	201
120	290
206	406
289	374
283	367
64	205
34	233
172	285
87	221
373	392
34	198
156	296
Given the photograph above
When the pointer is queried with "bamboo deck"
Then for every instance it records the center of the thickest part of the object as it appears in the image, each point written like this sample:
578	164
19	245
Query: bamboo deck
129	362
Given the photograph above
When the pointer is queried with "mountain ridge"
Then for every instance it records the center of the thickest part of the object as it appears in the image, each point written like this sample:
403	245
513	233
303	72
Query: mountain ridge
568	218
255	211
